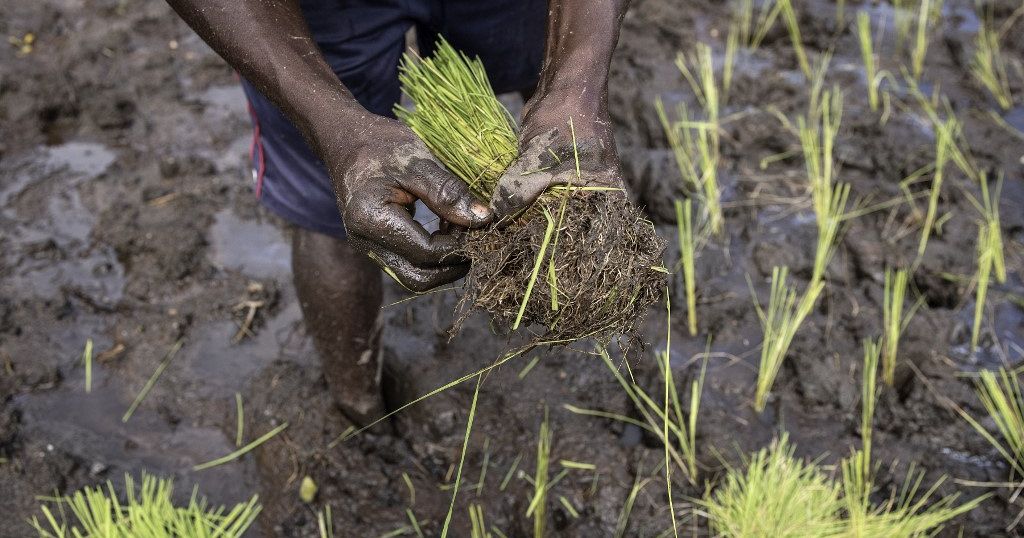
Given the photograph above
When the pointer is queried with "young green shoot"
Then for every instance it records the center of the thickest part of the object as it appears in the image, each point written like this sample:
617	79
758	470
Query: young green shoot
241	451
151	382
325	523
872	74
945	144
87	359
148	512
1001	396
793	25
627	508
462	456
538	503
240	415
683	428
780	323
868	397
894	322
990	253
920	50
687	253
696	144
988	65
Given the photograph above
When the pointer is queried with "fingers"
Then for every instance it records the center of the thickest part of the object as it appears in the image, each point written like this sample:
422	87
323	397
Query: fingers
516	192
393	228
411	277
445	194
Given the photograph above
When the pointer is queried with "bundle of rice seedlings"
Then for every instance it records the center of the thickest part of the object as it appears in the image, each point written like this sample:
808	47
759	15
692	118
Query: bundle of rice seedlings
868	397
987	65
780	495
581	262
1001	396
149	513
777	495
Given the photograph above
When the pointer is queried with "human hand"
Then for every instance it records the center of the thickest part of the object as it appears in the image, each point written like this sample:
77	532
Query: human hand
548	155
378	173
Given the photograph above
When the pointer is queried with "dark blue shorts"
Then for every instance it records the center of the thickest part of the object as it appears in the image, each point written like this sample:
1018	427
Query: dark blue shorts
363	42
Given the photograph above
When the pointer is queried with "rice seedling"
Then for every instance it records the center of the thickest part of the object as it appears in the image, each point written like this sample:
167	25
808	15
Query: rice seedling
989	252
462	457
627	507
780	323
905	513
240	414
1000	395
750	34
325	523
987	64
696	144
893	320
780	495
920	50
945	145
951	127
87	360
868	397
777	495
538	503
599	284
793	25
478	527
148	512
151	382
687	253
873	76
681	444
241	451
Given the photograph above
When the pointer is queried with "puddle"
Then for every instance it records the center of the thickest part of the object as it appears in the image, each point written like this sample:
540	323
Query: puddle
88	427
255	249
50	245
220	367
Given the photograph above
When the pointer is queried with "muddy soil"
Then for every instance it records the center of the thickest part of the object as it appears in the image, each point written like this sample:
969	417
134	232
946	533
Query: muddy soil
127	216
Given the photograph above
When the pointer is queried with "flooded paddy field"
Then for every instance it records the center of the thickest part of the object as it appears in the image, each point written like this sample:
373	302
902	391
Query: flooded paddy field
127	217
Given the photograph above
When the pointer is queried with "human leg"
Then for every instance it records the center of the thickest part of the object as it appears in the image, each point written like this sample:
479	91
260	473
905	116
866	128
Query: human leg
339	291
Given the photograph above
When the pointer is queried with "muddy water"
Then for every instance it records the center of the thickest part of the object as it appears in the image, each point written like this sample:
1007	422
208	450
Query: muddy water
126	216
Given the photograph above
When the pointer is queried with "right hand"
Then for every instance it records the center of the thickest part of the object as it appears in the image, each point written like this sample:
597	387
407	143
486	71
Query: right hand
378	174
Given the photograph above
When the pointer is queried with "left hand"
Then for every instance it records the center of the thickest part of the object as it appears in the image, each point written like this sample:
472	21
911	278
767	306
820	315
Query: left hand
547	157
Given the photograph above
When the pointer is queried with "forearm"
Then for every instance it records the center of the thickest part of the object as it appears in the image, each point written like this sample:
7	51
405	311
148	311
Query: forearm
268	43
581	38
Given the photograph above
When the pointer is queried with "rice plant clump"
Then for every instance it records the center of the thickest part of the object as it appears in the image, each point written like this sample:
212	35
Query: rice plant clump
149	513
778	495
581	262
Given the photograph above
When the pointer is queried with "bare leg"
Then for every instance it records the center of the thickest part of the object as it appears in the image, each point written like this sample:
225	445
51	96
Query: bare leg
339	290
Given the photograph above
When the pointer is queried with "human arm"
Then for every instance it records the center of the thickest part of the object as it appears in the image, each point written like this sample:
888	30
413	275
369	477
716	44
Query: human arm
581	38
378	167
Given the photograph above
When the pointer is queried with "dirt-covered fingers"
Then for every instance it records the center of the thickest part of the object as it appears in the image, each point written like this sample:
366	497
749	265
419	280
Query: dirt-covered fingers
444	193
391	227
412	277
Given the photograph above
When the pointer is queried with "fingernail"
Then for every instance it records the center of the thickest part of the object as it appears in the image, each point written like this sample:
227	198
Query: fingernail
481	211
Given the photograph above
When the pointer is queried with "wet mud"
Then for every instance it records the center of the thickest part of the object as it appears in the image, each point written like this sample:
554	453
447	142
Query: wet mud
127	217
